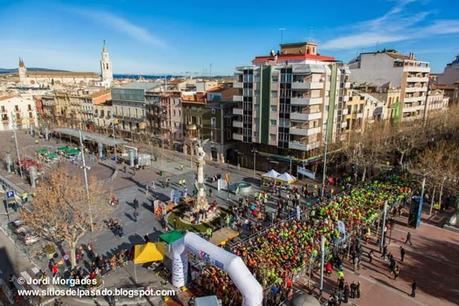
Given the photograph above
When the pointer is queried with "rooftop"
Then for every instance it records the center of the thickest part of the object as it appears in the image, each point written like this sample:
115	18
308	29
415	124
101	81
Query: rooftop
293	57
139	85
108	141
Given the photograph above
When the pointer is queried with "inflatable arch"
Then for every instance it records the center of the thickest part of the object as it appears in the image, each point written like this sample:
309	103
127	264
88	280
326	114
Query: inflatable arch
251	290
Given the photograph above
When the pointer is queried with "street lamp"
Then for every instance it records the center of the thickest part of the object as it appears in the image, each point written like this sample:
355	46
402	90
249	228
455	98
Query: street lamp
254	151
16	143
85	171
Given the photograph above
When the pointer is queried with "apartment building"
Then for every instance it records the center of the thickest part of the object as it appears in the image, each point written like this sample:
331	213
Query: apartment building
17	112
164	117
398	70
290	100
129	106
436	101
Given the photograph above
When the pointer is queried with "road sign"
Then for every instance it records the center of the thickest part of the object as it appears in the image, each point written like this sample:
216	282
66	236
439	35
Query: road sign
10	195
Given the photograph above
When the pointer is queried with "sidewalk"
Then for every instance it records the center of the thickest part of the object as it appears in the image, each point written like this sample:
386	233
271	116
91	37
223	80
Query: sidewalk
431	261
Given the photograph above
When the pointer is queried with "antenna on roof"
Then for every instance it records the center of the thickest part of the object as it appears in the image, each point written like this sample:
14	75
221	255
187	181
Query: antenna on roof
281	30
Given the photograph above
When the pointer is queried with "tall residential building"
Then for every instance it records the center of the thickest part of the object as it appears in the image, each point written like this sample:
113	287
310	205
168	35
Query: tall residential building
404	71
290	99
106	67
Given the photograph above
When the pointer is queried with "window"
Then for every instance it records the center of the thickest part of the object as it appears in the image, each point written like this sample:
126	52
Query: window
30	115
213	111
273	108
273	122
29	107
213	122
16	108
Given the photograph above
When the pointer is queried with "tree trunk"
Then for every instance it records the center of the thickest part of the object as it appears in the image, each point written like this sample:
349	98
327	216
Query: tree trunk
401	159
364	174
441	192
72	249
432	201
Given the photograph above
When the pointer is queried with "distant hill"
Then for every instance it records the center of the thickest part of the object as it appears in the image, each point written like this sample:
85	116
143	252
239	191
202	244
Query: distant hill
15	70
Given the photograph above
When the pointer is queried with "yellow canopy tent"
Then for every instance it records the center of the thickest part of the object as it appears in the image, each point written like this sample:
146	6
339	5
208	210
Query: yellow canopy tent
147	252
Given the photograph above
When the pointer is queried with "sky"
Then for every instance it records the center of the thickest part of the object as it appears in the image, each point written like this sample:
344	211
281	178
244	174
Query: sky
201	37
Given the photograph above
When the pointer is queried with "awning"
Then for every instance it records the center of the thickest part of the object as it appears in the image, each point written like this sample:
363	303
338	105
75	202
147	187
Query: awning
147	252
271	174
222	236
285	177
171	237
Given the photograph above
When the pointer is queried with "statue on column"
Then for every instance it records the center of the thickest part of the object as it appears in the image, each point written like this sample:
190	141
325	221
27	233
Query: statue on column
201	199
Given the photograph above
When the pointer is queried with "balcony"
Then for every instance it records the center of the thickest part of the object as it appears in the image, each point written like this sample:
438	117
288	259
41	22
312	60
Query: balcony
238	111
237	98
347	85
305	101
344	124
237	85
345	98
412	109
416	89
238	137
275	86
414	99
296	145
237	124
300	131
307	85
416	69
305	117
417	79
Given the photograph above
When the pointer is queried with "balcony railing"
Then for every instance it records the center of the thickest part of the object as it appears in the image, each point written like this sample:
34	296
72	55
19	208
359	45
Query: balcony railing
305	101
238	137
305	117
307	85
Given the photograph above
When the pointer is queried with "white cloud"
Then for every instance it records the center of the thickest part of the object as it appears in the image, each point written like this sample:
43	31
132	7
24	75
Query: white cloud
394	26
121	25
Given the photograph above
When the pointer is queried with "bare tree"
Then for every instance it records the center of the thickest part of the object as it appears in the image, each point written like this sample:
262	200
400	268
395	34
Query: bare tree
60	211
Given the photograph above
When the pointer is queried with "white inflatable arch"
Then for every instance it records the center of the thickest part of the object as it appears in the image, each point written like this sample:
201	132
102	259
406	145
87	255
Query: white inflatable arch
250	288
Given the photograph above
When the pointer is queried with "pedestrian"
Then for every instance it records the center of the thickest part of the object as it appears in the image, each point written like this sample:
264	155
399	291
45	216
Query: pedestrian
370	256
55	269
135	203
135	214
147	239
346	293
125	169
396	272
408	238
402	253
384	252
357	290
353	286
153	185
413	288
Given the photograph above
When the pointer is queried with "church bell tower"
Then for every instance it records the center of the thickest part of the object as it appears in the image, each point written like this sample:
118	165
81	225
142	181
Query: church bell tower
106	67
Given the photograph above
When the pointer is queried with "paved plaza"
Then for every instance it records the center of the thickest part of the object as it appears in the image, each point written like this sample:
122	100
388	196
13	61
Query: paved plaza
431	260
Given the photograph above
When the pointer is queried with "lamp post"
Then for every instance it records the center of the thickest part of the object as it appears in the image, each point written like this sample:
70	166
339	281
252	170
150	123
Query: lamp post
16	143
421	201
254	151
86	185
